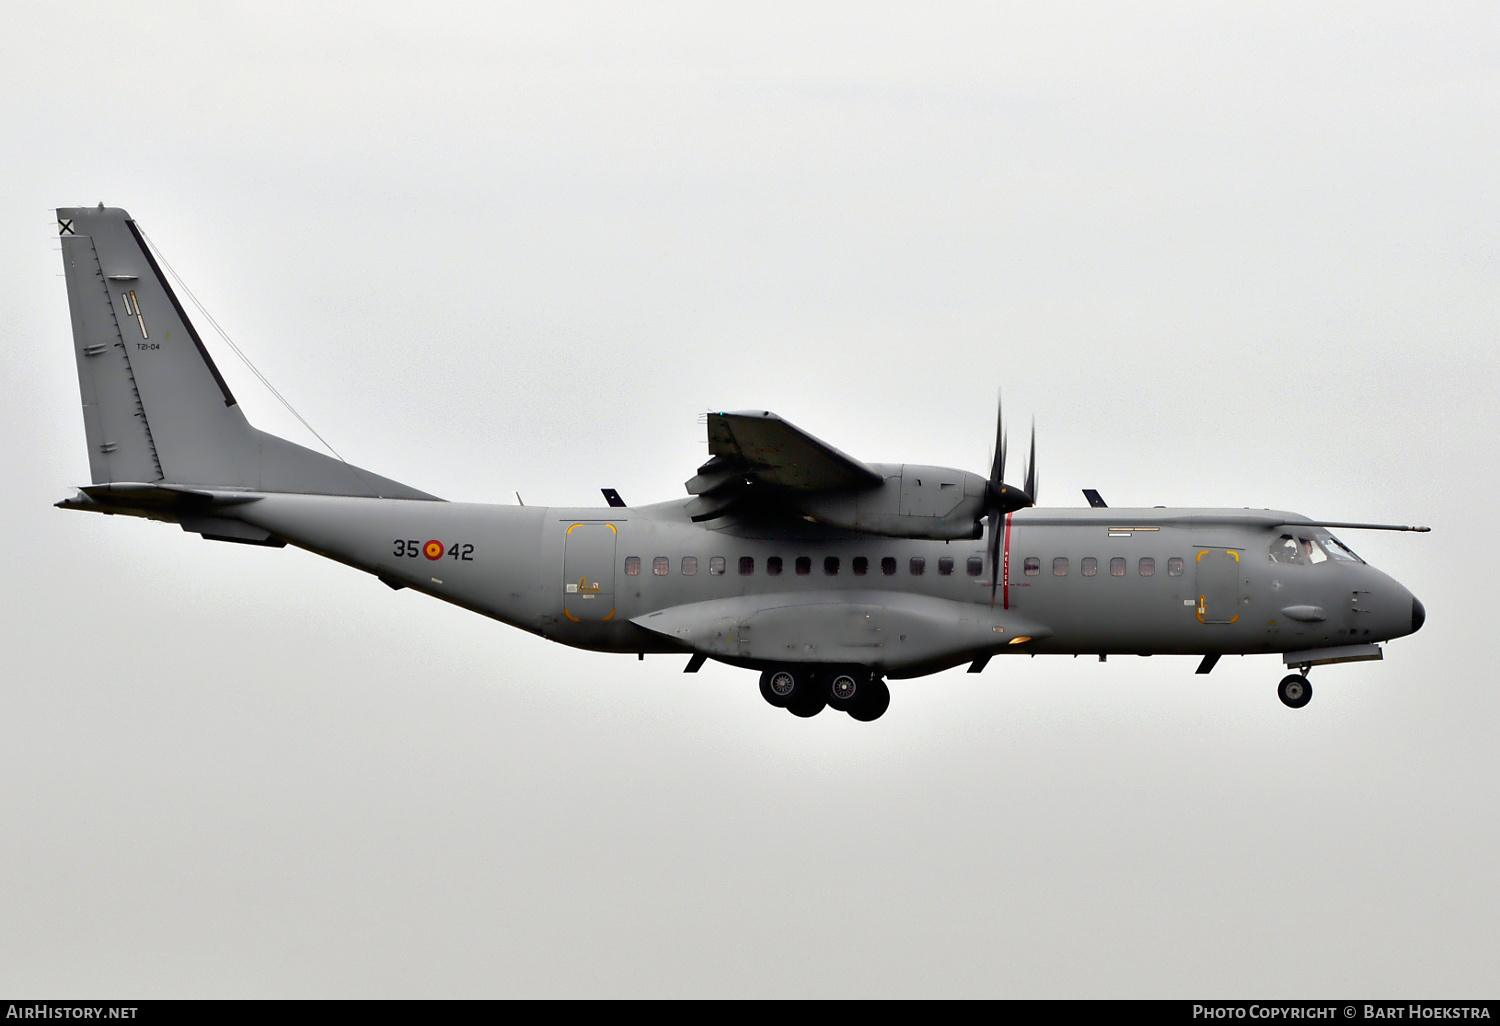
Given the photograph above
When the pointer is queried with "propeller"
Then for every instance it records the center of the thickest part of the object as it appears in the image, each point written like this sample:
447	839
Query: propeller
1001	498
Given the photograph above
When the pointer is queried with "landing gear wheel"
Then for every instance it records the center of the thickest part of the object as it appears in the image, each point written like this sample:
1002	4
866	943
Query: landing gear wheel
844	689
1294	691
778	687
871	701
808	701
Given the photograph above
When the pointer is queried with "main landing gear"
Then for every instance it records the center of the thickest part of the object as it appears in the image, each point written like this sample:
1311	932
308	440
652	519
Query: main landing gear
1294	691
805	691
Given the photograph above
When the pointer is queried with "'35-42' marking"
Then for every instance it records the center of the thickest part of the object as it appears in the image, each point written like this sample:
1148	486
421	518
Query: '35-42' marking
433	549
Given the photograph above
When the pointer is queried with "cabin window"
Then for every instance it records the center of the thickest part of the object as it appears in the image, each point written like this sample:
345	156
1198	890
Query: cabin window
975	566
747	566
1117	567
661	566
1147	566
1174	566
773	565
888	566
804	565
860	565
918	566
830	565
689	566
716	566
1060	566
1312	550
632	565
1032	566
1088	566
945	565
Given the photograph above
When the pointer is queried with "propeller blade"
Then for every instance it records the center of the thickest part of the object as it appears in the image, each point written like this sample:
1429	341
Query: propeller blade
994	546
1031	466
997	464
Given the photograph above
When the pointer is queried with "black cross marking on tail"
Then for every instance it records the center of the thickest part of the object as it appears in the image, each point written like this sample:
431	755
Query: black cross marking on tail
65	227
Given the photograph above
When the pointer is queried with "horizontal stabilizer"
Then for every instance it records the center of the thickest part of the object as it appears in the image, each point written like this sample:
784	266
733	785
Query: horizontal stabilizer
141	498
198	511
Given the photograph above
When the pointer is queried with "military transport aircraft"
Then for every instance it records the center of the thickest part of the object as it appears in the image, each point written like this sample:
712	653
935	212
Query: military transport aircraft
824	573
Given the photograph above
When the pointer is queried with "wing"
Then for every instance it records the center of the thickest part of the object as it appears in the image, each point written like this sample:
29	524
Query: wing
756	455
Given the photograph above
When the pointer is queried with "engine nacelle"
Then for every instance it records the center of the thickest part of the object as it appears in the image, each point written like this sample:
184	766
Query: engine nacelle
911	502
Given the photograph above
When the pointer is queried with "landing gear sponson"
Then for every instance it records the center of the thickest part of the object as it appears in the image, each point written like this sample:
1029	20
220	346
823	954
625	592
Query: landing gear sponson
805	691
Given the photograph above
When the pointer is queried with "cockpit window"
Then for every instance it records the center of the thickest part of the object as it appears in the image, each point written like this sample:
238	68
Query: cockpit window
1313	547
1312	550
1286	550
1337	549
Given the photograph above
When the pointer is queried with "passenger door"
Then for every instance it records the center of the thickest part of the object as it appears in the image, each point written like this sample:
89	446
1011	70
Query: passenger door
1218	585
589	572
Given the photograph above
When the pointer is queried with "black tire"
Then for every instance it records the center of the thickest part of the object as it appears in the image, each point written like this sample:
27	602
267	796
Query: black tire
773	690
844	689
808	700
1294	691
872	701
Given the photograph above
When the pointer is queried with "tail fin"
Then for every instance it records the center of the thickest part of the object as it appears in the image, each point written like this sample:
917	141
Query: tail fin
155	408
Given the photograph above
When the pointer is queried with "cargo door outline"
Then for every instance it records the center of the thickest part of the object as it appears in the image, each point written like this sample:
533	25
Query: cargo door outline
589	572
1218	579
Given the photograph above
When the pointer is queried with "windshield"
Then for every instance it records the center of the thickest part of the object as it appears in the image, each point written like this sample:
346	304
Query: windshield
1337	549
1311	548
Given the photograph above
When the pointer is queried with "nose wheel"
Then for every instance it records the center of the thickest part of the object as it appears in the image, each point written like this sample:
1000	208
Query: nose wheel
1295	691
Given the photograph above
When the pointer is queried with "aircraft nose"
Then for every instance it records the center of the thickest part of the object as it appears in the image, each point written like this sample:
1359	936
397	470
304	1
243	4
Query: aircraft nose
1418	615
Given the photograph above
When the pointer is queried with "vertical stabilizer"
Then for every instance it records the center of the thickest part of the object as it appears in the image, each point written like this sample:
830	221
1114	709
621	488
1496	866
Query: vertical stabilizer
155	408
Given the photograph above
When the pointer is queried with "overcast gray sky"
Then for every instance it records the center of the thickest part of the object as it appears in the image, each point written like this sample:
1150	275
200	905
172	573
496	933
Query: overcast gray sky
1229	254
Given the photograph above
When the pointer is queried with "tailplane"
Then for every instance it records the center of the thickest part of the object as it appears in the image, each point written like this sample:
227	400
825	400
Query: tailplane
156	411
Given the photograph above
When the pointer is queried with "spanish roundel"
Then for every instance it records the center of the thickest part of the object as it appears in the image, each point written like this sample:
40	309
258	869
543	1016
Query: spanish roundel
433	549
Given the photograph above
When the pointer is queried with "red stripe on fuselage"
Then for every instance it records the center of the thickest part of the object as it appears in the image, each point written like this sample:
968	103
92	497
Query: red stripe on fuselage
1005	574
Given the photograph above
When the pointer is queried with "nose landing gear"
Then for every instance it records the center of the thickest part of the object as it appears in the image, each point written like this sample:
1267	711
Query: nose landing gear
1295	691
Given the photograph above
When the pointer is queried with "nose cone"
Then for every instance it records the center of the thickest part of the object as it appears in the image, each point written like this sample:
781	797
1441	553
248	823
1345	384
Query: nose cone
1418	615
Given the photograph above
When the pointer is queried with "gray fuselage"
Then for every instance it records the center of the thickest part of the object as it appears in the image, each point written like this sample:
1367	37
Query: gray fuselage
1104	581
